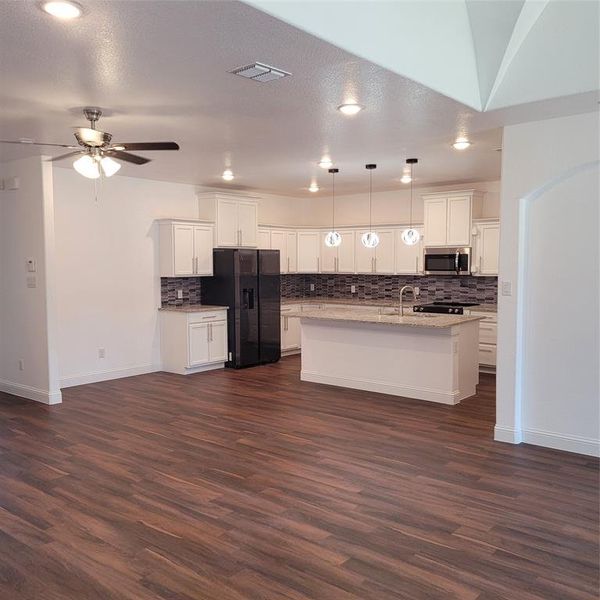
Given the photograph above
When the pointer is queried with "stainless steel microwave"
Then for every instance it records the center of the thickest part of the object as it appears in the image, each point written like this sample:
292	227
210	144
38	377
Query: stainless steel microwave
447	261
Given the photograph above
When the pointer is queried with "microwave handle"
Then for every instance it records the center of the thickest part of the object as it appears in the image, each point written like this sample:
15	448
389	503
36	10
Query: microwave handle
457	262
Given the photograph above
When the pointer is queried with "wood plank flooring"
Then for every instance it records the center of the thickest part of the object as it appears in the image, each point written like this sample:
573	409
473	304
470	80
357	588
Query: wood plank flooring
235	485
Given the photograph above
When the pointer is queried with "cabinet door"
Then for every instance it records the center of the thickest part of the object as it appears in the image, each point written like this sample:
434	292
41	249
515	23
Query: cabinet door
218	341
435	216
346	253
488	249
328	255
183	250
384	252
248	224
198	340
279	242
203	250
227	223
292	252
408	258
364	257
308	252
459	221
293	332
264	239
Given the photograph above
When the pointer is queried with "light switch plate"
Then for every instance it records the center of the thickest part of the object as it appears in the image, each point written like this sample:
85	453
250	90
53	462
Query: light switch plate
312	287
179	294
31	265
353	289
31	281
507	288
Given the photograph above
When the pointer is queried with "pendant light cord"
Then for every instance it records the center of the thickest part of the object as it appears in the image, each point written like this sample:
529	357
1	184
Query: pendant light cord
370	199
333	202
411	194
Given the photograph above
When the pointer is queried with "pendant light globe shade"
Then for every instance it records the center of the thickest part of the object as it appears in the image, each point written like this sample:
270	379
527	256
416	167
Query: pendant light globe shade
333	239
109	166
411	236
87	167
370	239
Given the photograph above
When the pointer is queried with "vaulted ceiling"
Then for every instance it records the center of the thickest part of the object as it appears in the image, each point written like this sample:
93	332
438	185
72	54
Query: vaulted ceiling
160	69
486	54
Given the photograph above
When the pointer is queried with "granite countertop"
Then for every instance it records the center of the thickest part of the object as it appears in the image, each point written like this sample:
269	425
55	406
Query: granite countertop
192	308
386	303
428	320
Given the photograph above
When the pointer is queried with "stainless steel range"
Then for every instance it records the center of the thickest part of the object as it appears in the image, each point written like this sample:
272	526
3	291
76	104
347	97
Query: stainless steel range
445	307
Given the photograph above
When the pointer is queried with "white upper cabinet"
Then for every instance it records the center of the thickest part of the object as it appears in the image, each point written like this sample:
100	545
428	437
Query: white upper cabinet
487	248
308	251
248	223
409	259
292	252
459	221
364	258
186	249
448	217
329	255
279	242
237	222
385	251
264	239
345	253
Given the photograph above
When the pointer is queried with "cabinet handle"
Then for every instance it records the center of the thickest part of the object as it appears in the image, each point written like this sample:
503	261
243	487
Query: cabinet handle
241	238
480	264
208	333
318	264
416	264
211	332
288	264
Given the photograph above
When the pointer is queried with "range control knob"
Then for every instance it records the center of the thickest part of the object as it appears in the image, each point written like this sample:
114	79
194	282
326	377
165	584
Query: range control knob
457	310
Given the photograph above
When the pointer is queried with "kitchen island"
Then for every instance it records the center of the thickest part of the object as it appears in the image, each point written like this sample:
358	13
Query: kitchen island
424	356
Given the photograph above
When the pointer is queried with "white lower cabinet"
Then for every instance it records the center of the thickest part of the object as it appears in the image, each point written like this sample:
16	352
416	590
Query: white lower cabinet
193	341
488	335
290	330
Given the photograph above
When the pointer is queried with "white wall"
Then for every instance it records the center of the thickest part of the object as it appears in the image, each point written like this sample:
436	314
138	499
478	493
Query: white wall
548	328
388	207
108	286
27	318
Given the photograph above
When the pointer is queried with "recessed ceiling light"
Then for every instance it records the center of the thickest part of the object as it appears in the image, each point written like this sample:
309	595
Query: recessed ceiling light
350	108
406	178
461	144
62	9
313	187
325	163
227	175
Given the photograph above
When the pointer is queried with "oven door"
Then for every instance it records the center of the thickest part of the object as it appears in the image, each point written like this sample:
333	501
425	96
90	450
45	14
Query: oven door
447	261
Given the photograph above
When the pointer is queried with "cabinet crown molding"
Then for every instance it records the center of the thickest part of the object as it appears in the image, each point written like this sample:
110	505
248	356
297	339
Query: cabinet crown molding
227	196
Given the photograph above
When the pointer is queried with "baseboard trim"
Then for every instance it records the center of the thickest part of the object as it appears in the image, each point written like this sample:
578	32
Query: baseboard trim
559	441
96	376
430	395
507	435
30	393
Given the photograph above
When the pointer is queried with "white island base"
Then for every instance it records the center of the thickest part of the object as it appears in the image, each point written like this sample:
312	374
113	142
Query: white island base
439	364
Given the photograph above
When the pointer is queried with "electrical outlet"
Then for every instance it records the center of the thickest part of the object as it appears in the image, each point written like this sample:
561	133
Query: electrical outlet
417	291
101	353
179	294
353	289
21	365
507	288
312	287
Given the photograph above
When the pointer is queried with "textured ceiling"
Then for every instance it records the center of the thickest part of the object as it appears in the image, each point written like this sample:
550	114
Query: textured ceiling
159	69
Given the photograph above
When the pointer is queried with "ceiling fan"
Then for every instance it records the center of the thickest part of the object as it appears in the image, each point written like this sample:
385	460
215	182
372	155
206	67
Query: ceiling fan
97	152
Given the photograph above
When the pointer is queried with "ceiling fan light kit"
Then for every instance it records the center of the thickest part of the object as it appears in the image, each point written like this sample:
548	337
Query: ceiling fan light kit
95	151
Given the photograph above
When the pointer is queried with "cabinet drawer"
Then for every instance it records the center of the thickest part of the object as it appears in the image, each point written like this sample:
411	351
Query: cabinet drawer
488	332
207	317
487	354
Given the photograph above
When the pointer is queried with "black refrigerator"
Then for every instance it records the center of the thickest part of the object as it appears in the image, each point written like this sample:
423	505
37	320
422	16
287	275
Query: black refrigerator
248	282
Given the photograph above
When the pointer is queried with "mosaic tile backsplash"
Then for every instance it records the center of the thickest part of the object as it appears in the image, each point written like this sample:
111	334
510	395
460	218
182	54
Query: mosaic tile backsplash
387	287
368	287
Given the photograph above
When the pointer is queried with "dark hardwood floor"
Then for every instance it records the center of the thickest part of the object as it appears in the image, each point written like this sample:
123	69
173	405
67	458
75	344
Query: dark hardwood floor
249	484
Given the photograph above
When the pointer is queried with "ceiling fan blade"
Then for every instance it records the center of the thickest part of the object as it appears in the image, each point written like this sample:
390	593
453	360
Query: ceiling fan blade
148	146
127	157
69	154
32	143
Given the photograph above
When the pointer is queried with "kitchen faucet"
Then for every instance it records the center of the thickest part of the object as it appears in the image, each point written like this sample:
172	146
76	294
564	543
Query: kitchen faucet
403	289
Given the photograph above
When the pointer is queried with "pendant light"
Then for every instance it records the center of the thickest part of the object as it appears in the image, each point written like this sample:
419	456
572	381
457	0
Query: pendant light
333	238
370	239
411	236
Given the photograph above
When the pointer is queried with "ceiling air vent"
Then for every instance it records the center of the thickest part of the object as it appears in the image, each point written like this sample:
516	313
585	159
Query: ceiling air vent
260	72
